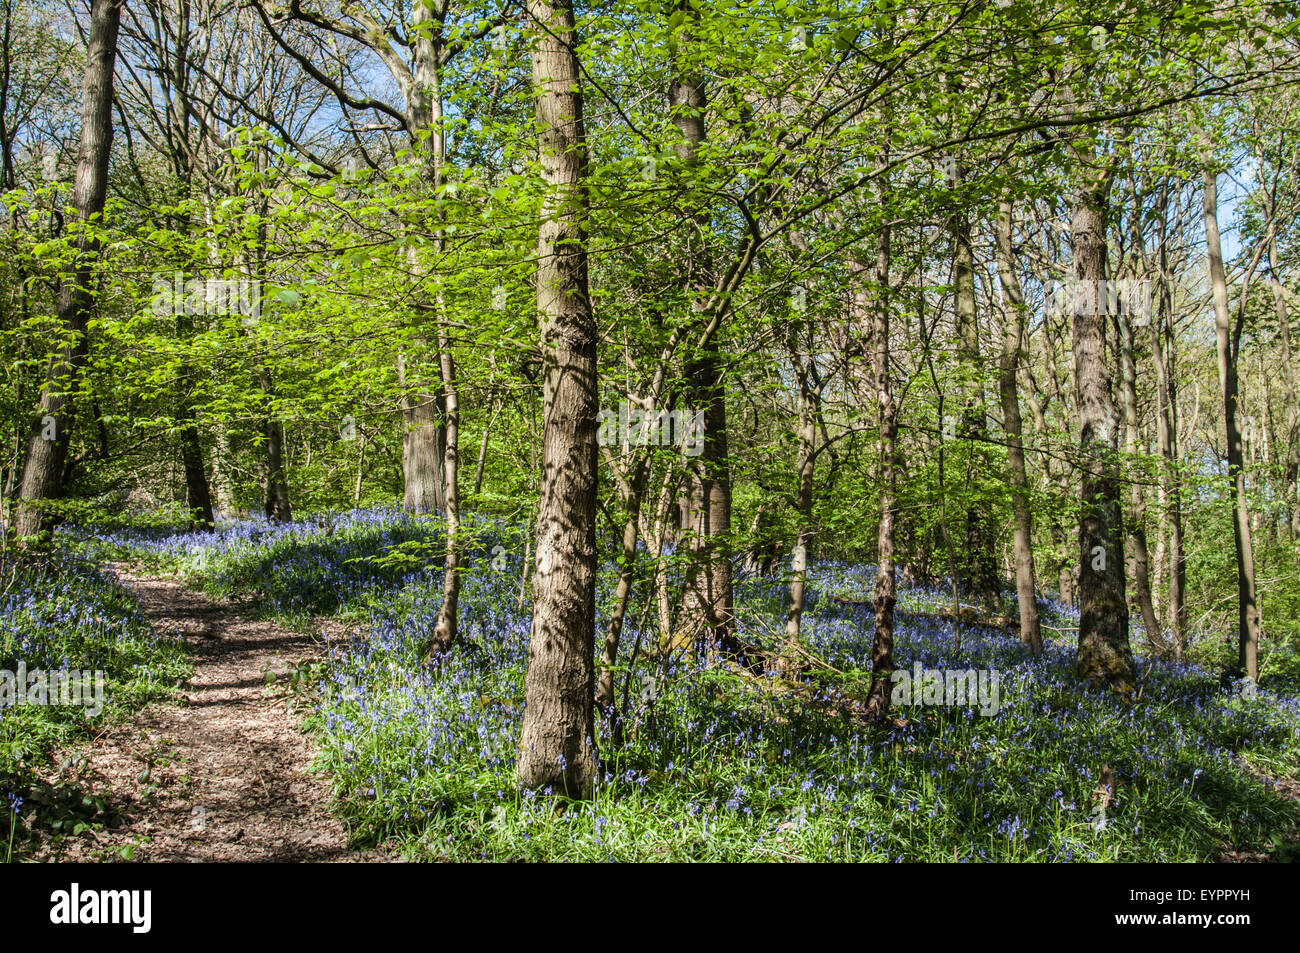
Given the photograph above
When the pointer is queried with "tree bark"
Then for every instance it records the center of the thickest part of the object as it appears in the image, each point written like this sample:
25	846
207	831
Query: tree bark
1228	345
441	461
223	471
444	633
277	505
557	747
807	435
1104	652
1137	512
882	642
706	603
1290	402
198	493
198	498
1133	310
422	450
1164	356
979	567
1012	341
633	494
425	439
52	426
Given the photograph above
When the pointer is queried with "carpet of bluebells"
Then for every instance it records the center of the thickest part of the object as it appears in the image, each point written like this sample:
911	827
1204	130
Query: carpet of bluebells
714	766
61	612
316	564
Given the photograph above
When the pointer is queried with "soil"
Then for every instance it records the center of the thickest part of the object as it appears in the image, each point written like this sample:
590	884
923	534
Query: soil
226	774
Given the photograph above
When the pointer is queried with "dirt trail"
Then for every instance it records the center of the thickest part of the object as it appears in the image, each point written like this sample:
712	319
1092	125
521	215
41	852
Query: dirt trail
227	775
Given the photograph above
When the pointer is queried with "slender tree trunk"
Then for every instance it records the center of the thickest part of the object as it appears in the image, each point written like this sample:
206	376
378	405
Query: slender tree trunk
1290	403
278	509
198	493
633	491
276	484
1247	598
1057	475
632	498
707	599
483	448
425	437
444	633
361	469
659	539
706	603
1065	571
882	644
1104	650
51	433
443	439
1012	342
1164	487
1164	356
557	747
687	100
197	496
803	504
979	562
1137	513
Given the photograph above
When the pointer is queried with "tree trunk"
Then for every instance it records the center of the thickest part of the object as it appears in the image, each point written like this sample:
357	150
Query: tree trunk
632	500
882	643
444	633
664	510
435	451
1164	356
198	498
1012	341
804	503
1290	402
706	603
51	434
979	563
277	506
223	471
1137	514
1056	474
1228	347
1104	652
198	493
423	438
483	448
557	747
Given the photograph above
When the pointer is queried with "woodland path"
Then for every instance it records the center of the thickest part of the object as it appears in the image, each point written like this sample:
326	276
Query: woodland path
224	775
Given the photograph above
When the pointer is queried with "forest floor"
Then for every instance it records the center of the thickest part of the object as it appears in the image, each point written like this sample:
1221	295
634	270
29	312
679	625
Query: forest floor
315	623
1287	845
225	775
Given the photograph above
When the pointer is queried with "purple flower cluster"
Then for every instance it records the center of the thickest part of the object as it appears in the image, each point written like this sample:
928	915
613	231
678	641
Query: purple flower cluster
412	745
